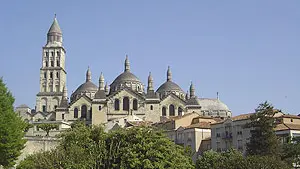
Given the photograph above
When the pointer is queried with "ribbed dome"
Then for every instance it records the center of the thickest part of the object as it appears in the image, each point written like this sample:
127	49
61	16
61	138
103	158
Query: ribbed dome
125	77
86	87
169	86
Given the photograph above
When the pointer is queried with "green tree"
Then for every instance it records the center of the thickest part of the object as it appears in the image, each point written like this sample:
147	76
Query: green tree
47	127
263	140
11	129
90	147
291	152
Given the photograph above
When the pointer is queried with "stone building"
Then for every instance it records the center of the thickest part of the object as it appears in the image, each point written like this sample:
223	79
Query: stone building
100	103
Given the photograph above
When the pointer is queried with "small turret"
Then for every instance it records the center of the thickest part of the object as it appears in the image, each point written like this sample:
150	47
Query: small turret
127	64
150	82
192	90
88	75
101	82
187	96
106	88
169	74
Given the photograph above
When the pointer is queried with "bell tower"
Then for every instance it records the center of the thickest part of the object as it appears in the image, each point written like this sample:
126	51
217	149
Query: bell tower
52	71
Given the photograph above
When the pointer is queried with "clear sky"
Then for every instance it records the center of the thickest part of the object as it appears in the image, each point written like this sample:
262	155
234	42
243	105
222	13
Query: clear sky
248	51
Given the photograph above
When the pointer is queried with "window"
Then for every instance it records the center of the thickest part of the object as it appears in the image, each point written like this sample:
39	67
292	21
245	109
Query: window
179	111
47	54
100	108
51	75
117	104
55	107
291	120
171	110
52	53
58	63
63	116
135	104
46	63
151	107
45	75
44	108
90	114
44	88
164	111
57	74
126	103
75	113
52	63
83	111
58	53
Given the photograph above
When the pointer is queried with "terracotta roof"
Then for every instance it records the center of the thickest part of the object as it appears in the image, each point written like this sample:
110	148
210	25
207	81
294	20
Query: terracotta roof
241	117
282	126
203	125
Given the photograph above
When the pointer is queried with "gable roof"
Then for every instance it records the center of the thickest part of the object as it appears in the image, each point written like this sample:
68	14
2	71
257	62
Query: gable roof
174	96
141	96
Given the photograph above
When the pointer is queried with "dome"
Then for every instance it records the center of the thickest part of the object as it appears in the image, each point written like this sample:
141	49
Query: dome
86	87
212	104
125	77
127	80
169	86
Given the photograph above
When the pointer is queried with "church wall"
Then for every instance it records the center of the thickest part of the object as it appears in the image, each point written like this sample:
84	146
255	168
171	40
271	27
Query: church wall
152	115
171	100
99	115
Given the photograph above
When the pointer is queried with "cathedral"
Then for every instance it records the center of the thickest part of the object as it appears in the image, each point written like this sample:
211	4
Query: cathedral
100	103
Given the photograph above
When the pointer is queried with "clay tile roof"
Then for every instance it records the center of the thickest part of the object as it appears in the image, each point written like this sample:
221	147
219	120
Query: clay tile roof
281	127
203	125
241	117
291	116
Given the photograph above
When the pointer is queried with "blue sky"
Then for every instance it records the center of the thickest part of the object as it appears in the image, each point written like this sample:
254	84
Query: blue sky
248	51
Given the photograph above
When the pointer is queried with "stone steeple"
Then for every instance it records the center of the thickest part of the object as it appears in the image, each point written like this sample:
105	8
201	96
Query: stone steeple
106	88
54	35
169	74
127	64
52	72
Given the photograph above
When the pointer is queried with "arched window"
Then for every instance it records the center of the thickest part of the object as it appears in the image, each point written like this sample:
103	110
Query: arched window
179	111
83	111
151	107
135	104
171	110
126	103
100	108
75	113
117	104
164	111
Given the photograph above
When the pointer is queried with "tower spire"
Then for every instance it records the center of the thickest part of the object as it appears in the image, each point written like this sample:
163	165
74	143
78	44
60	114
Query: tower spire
187	96
127	64
192	90
54	35
88	75
65	93
106	88
169	74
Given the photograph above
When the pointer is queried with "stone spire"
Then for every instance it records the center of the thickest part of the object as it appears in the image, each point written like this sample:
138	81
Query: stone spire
101	82
218	95
64	101
192	90
150	82
54	34
88	75
127	64
169	74
106	88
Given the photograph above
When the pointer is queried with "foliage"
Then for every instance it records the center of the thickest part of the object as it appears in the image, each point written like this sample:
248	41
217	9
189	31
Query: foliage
233	159
263	140
291	152
11	129
47	127
90	147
